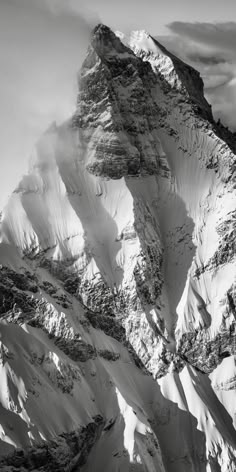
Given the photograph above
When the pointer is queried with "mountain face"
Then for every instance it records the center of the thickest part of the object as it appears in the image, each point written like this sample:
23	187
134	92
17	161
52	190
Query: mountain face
117	275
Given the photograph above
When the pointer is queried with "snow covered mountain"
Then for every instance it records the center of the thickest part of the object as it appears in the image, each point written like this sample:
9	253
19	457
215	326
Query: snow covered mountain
118	292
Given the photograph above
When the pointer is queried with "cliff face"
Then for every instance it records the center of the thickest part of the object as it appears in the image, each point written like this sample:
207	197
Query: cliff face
117	277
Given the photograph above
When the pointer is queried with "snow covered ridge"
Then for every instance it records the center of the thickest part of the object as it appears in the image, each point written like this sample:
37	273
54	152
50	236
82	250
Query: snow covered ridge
117	277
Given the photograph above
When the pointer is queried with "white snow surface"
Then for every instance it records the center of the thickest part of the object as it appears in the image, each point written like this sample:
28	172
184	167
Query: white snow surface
176	423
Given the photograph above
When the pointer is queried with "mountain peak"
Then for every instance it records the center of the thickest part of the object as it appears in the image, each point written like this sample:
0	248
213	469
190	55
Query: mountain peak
101	29
104	40
117	260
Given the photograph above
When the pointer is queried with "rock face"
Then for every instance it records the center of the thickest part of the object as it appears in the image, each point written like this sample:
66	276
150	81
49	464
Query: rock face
117	277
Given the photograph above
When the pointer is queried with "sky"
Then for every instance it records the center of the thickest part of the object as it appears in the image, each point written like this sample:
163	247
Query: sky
43	42
209	48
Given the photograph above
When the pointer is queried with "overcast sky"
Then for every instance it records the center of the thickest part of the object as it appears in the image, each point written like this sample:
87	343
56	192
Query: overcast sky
42	43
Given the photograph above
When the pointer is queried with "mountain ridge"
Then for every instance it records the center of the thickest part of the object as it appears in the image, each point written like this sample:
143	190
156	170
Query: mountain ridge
121	299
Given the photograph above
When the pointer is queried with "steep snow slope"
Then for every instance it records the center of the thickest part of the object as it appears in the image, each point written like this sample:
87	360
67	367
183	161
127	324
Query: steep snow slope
118	277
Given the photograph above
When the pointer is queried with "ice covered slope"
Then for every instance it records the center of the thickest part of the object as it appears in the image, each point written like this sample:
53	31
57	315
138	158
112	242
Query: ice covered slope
117	294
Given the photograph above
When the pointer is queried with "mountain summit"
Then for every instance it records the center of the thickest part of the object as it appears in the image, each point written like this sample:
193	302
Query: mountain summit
118	295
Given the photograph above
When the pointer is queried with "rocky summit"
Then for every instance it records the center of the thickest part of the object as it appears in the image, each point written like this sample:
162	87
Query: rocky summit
117	276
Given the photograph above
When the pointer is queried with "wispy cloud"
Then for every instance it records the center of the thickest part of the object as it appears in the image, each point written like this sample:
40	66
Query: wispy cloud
217	35
210	48
42	45
67	7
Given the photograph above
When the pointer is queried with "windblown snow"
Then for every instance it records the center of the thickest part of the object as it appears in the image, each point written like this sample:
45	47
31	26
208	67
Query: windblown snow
118	294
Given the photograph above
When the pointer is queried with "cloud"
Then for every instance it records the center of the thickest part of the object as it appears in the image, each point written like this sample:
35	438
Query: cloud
206	60
218	35
210	48
42	46
68	7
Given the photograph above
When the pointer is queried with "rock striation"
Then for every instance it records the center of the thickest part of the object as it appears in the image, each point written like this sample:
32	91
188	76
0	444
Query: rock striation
117	277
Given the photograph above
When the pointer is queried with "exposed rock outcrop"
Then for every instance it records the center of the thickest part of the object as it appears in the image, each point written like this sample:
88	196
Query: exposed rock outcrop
117	283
